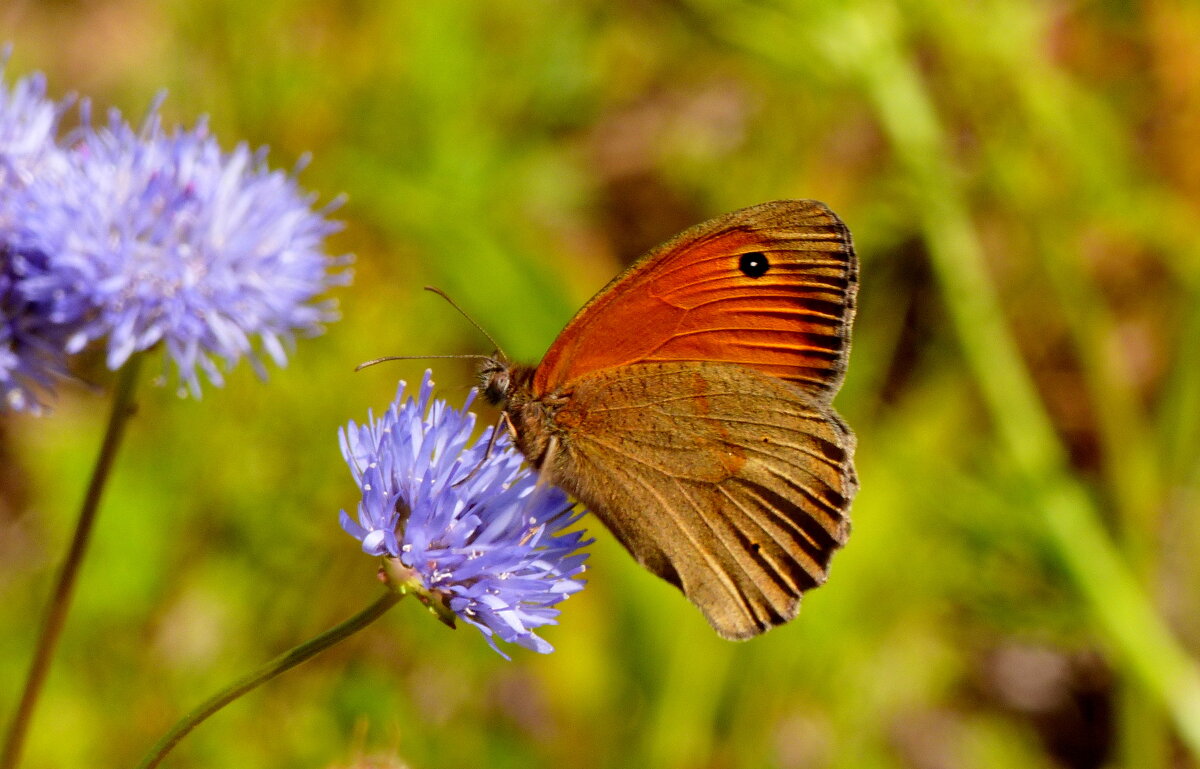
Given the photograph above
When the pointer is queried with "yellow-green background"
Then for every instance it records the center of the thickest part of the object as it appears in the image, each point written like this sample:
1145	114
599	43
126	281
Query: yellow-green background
1023	184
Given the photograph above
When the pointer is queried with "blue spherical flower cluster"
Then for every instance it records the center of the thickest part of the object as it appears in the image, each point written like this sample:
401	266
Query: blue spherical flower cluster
141	237
472	531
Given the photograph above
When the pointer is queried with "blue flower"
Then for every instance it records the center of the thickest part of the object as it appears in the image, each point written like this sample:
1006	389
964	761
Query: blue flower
32	343
159	236
477	534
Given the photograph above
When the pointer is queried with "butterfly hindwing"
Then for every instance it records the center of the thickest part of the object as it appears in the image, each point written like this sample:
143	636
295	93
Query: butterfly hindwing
730	484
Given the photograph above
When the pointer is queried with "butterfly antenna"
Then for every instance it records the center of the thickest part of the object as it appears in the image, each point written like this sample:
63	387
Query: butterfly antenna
470	320
386	358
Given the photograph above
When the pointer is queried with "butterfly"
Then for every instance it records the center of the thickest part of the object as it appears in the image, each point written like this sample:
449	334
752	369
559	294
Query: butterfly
688	407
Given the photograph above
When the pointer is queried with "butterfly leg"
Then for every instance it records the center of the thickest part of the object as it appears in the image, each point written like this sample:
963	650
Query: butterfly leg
487	452
544	475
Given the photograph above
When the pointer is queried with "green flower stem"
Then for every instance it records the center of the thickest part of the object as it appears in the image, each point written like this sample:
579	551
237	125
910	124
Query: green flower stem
255	678
60	601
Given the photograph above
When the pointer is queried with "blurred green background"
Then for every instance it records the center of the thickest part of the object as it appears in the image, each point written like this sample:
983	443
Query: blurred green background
1023	182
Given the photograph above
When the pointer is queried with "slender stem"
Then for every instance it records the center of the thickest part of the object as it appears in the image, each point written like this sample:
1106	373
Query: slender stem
60	601
280	664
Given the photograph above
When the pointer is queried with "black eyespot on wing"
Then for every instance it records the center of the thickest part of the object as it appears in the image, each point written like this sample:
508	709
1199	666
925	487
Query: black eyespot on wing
754	264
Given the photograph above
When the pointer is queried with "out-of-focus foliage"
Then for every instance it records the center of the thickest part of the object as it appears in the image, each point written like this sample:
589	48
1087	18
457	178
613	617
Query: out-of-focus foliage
1023	182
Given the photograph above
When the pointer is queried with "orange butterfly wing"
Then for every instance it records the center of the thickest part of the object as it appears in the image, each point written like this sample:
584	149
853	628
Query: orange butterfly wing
695	299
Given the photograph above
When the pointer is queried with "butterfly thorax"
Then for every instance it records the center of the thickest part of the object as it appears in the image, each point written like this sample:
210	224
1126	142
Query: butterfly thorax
530	418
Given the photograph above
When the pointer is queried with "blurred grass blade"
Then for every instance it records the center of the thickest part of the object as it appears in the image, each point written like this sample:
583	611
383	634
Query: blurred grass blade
1122	609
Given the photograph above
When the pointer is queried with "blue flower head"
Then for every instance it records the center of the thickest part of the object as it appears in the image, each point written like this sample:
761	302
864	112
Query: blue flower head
472	531
161	237
32	344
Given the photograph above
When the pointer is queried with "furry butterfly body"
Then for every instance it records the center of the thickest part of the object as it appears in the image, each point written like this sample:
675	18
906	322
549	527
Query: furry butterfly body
687	405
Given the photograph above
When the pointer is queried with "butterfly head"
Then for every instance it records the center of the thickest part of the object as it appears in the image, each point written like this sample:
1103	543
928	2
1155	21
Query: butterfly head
495	377
505	384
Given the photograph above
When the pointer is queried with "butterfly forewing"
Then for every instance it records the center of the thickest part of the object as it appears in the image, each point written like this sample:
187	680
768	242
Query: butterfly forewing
785	310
